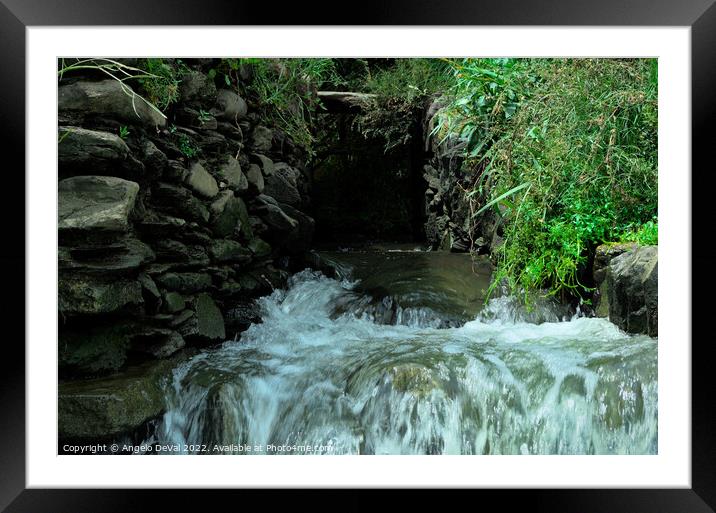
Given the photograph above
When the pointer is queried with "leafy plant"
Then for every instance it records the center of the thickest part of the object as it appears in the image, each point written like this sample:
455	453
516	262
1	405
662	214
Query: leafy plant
204	116
647	234
284	92
163	87
582	133
187	147
123	132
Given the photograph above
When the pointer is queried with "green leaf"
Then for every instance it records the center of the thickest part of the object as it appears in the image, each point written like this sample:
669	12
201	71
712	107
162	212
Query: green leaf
501	197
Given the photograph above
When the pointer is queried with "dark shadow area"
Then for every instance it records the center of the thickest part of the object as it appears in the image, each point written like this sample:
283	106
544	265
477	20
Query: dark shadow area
362	192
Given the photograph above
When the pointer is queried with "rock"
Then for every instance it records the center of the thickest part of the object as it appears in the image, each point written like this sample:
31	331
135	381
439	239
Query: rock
107	98
229	216
266	163
229	251
632	281
301	238
344	101
413	379
104	408
93	350
168	250
158	342
90	152
255	179
196	119
186	283
241	316
229	105
179	201
261	139
120	255
180	319
602	257
197	88
100	203
282	187
207	324
201	182
79	294
154	159
150	292
173	302
156	224
275	218
230	171
259	247
175	172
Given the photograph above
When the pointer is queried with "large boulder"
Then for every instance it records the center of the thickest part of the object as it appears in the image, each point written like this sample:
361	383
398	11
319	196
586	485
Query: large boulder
201	182
107	98
632	281
98	203
90	152
104	408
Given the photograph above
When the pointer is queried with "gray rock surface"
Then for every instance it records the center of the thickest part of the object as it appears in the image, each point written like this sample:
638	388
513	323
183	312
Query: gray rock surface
108	98
101	203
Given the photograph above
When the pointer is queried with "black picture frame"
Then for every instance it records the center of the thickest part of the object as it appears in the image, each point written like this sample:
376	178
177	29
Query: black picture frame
16	15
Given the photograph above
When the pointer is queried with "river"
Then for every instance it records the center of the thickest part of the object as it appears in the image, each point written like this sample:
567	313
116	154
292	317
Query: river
398	354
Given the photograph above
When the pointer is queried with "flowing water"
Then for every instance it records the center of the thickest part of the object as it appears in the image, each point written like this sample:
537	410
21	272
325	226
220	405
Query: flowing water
397	355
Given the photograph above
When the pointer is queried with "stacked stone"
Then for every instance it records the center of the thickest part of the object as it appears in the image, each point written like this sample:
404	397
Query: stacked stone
449	223
167	233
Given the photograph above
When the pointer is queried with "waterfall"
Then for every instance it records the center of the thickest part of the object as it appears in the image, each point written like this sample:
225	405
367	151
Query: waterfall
327	371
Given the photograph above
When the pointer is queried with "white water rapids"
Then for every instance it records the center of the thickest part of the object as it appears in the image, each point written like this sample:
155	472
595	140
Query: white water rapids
319	375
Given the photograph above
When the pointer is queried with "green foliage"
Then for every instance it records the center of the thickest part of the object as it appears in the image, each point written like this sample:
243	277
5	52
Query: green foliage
123	131
284	92
187	147
582	133
402	91
647	234
162	89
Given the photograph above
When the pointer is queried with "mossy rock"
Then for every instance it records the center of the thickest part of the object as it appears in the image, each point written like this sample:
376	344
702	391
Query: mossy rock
98	350
107	407
414	379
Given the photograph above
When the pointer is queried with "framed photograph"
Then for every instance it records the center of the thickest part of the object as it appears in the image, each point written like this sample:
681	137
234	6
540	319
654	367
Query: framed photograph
419	250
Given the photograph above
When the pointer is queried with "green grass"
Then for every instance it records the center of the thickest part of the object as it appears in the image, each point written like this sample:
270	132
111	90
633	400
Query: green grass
565	151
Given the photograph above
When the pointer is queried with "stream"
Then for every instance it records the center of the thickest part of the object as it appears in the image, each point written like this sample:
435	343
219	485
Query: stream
398	354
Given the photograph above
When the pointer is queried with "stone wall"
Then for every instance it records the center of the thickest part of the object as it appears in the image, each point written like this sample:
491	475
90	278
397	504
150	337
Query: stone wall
168	227
450	223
